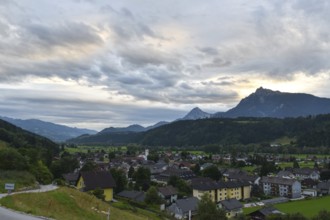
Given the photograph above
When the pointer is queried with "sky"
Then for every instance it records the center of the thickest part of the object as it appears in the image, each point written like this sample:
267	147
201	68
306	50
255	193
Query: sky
101	63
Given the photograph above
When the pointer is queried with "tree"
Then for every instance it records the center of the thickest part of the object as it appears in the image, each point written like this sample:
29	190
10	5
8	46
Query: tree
322	215
41	172
196	169
183	188
112	155
295	164
153	156
89	166
212	172
325	175
207	210
98	193
120	178
266	168
67	164
142	178
316	165
130	172
152	196
11	159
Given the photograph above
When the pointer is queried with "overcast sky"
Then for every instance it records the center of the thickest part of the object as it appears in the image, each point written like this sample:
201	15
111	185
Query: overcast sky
96	64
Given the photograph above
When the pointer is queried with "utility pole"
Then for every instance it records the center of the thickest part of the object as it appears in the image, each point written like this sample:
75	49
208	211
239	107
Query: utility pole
108	217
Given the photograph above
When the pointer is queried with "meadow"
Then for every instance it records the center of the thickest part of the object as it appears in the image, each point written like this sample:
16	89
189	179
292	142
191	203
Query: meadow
67	203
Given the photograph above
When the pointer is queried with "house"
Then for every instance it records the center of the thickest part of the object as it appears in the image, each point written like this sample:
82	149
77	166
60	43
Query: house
91	180
243	177
71	178
310	192
168	193
262	214
324	188
232	207
220	190
305	173
182	207
277	186
137	196
206	165
286	174
172	171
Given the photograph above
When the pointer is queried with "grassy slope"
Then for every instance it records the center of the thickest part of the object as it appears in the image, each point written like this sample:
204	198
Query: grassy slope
65	203
22	179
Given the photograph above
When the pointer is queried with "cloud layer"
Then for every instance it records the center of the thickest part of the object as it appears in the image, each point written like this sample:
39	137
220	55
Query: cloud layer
146	61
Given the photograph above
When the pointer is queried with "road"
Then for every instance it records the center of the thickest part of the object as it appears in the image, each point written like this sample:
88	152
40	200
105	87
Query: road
7	214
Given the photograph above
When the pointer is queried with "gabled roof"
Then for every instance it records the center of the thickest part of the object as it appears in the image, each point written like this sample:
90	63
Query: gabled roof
231	204
100	179
187	204
323	185
267	211
167	190
304	171
71	177
278	180
204	184
284	173
138	196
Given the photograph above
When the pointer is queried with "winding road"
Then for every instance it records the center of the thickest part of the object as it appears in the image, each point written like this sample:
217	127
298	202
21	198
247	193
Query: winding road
7	214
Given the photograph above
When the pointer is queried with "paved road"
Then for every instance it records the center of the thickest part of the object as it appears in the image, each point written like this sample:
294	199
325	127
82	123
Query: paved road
6	214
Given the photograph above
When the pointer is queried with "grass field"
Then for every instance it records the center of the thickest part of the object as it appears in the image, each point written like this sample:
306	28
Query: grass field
308	208
66	203
309	164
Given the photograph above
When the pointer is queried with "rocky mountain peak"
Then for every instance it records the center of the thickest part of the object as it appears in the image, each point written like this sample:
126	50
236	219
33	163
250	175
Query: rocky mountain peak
196	113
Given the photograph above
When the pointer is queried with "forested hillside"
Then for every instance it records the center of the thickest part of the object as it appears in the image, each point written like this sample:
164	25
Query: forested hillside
21	150
306	131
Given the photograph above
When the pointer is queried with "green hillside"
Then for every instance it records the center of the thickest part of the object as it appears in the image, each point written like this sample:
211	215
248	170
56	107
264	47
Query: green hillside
21	150
69	204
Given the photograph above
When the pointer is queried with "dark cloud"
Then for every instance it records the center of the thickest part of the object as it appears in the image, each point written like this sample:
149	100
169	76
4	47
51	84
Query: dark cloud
66	34
211	51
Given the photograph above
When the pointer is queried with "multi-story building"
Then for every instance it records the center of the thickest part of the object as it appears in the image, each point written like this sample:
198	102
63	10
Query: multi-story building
219	190
277	186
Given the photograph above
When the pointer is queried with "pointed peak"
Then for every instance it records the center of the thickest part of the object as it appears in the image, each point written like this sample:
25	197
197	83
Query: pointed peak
196	113
196	109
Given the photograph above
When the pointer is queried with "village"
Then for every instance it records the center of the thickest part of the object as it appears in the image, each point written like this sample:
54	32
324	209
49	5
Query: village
175	181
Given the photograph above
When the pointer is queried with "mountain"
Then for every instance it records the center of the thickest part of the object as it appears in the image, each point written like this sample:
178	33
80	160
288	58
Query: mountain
196	113
257	118
29	144
303	131
132	128
268	103
55	132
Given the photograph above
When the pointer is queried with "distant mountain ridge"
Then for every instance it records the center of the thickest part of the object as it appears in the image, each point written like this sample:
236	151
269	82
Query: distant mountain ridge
55	132
132	128
276	104
262	103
